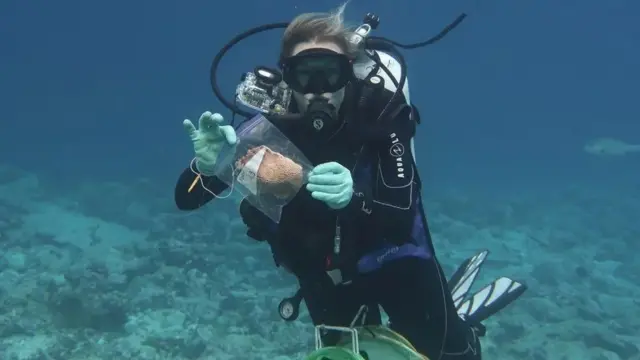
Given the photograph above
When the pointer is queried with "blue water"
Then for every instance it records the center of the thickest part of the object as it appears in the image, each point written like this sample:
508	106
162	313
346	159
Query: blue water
95	92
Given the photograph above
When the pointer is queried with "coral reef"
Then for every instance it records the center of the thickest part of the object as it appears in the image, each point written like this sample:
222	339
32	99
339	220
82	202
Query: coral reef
87	276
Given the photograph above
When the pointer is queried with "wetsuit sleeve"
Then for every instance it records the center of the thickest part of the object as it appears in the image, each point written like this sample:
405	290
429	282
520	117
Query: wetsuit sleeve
191	190
387	204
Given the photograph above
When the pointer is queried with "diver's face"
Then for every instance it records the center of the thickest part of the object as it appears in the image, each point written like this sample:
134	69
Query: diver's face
334	98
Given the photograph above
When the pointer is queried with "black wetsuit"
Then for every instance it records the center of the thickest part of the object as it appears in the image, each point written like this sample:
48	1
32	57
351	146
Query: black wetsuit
387	256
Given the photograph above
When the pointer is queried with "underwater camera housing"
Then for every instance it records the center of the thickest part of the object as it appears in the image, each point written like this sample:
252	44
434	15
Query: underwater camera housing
263	90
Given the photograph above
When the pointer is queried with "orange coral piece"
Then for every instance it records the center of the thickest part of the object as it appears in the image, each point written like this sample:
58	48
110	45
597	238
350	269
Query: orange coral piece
278	174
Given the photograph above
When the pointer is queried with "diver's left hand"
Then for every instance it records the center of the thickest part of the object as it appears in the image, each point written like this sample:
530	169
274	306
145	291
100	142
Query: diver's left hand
332	184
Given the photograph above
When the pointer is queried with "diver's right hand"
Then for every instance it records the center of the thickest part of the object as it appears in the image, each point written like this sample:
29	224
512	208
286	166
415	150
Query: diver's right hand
208	140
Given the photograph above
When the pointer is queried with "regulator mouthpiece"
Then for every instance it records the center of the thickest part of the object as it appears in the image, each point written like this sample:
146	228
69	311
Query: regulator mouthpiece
321	114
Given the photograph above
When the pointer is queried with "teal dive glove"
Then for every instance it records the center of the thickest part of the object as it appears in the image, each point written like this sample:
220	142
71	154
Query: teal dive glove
332	184
208	140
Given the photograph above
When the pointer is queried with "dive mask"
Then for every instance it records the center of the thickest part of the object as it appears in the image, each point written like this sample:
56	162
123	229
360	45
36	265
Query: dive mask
317	71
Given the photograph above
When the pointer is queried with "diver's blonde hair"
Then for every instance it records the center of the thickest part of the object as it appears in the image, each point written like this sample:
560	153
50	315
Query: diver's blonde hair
315	27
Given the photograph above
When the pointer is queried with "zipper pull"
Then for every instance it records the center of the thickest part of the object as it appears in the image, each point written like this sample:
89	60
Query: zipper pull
337	239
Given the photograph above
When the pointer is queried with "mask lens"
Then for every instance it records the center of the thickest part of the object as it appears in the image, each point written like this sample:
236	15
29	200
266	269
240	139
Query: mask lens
317	73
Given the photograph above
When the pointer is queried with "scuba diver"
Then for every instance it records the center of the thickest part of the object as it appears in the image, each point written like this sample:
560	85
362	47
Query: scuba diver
355	236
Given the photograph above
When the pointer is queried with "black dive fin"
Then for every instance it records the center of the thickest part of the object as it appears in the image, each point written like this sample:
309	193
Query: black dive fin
462	280
455	278
490	299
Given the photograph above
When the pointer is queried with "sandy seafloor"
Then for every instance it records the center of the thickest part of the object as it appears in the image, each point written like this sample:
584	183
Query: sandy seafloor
112	271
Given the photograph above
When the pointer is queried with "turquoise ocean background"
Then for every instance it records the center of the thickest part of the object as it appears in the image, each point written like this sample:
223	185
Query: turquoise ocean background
96	263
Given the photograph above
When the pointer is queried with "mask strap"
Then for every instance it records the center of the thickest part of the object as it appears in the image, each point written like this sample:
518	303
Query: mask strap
199	179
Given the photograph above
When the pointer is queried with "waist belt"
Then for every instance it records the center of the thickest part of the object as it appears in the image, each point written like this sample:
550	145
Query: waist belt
374	260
